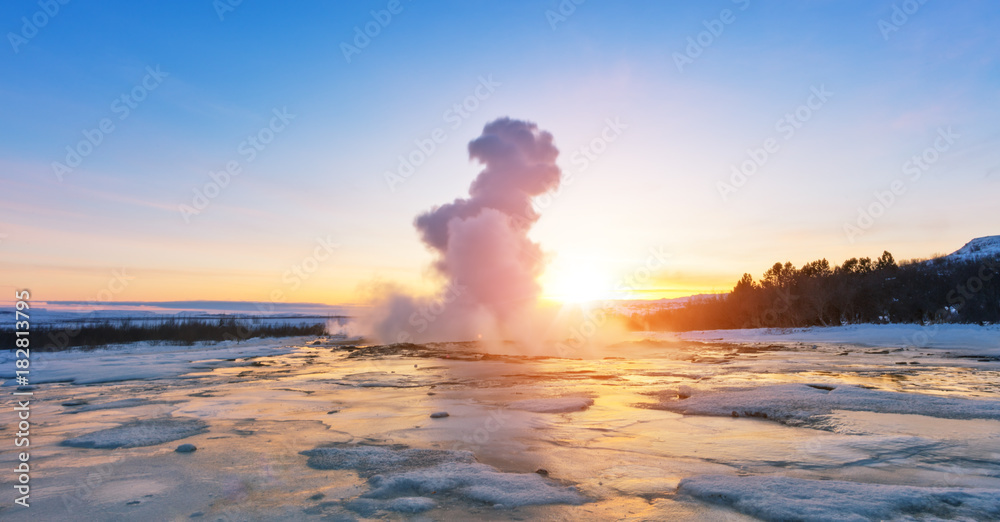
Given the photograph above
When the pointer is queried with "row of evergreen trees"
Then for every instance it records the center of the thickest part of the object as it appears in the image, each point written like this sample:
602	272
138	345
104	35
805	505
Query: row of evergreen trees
858	291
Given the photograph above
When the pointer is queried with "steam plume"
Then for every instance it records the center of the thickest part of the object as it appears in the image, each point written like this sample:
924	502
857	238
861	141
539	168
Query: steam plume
489	265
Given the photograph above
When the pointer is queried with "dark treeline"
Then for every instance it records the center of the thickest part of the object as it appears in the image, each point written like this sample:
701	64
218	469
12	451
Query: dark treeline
172	330
858	291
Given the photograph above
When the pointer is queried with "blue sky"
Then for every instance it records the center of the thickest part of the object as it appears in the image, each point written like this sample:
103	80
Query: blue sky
322	176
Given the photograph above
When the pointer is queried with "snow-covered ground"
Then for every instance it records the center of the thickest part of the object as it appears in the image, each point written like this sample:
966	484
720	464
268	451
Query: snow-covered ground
141	361
958	338
813	424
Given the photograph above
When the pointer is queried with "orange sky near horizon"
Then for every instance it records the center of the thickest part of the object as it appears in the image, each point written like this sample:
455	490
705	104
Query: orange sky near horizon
333	283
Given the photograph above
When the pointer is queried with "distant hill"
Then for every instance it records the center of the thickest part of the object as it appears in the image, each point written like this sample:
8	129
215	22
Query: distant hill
630	306
979	247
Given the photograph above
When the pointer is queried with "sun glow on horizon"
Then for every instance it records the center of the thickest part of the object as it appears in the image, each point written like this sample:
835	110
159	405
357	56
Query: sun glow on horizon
576	283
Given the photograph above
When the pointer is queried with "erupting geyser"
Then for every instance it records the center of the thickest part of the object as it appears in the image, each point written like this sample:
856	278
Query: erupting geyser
489	266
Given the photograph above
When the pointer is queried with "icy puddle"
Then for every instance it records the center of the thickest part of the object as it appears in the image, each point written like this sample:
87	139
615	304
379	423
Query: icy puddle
649	430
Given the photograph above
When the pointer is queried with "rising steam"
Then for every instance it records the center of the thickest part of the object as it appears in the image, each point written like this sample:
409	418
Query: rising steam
488	264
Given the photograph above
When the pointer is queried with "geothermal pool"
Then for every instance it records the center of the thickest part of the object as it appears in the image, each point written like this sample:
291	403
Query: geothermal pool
654	428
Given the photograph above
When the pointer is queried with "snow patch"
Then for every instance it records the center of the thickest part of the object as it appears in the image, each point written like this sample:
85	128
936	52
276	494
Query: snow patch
803	404
141	361
139	433
372	460
963	338
404	476
367	507
411	504
475	482
784	498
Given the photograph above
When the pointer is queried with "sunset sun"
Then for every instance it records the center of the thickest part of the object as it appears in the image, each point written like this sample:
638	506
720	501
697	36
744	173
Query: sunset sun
575	284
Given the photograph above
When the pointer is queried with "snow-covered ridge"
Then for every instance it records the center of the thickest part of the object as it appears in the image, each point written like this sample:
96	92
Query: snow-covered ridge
981	246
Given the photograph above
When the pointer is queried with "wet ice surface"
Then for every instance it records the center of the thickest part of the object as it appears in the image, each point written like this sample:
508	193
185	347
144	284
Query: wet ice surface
394	473
783	498
139	433
813	404
642	431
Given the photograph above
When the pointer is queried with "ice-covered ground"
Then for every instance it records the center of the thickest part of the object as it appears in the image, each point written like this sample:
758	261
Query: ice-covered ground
835	424
959	338
146	361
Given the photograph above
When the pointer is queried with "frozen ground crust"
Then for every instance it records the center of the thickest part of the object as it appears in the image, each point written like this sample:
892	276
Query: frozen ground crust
400	479
553	405
118	404
803	404
367	507
372	460
965	338
784	498
139	361
140	433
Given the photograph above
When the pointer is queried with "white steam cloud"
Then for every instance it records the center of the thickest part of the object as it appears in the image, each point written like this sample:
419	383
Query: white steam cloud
489	266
